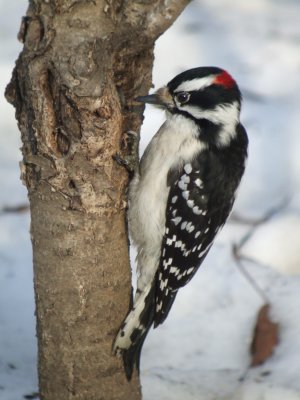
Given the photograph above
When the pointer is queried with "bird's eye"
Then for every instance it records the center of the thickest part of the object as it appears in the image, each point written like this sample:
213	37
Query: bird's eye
182	97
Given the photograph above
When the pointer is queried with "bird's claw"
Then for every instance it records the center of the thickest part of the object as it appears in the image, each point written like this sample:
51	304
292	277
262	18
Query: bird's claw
131	147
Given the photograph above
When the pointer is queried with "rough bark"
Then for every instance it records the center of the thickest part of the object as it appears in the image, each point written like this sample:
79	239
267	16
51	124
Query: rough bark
73	86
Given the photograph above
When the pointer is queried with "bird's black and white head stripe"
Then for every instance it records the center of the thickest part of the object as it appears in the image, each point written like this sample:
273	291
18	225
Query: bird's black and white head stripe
206	89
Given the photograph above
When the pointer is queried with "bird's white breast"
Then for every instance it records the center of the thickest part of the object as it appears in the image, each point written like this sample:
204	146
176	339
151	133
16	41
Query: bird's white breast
176	143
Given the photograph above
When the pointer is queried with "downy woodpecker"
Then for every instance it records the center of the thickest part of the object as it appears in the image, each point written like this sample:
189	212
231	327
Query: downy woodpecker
181	194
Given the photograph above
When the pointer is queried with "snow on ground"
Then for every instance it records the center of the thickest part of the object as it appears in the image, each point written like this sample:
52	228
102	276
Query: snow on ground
201	352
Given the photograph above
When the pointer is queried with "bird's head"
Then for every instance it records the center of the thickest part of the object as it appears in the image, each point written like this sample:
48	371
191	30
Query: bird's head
207	95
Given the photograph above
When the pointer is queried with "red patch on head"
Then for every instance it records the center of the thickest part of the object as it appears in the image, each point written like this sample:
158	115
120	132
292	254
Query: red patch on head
224	79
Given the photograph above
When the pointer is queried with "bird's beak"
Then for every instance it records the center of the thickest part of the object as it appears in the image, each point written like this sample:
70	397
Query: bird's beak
161	98
149	99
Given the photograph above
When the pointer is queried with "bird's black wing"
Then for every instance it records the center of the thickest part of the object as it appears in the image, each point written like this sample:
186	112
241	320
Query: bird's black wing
198	205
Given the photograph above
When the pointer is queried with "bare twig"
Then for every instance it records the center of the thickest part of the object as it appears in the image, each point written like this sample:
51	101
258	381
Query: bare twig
20	208
31	396
258	221
239	262
236	248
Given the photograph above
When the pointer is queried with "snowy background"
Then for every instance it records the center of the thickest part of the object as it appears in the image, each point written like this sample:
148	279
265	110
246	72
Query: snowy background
201	352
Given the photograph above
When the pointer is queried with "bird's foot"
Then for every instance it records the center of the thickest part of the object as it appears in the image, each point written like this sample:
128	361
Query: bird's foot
131	147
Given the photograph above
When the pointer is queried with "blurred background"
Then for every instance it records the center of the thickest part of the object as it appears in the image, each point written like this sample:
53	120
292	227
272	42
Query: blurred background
202	350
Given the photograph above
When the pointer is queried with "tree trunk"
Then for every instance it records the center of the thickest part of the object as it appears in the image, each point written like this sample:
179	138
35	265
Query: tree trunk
73	86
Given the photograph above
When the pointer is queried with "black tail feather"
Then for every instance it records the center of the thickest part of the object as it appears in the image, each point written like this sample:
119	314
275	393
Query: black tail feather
132	355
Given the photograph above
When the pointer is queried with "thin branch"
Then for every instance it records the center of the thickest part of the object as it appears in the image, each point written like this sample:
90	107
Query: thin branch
20	208
236	248
239	262
258	221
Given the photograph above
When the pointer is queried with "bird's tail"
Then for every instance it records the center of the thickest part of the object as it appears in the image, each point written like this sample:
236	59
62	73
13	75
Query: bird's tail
133	331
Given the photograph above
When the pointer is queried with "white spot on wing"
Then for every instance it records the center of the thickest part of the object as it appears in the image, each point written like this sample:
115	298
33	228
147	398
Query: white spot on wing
182	247
185	178
190	203
198	182
186	194
205	250
188	168
170	241
186	253
202	253
190	227
182	185
163	284
183	225
177	220
174	270
196	210
167	263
